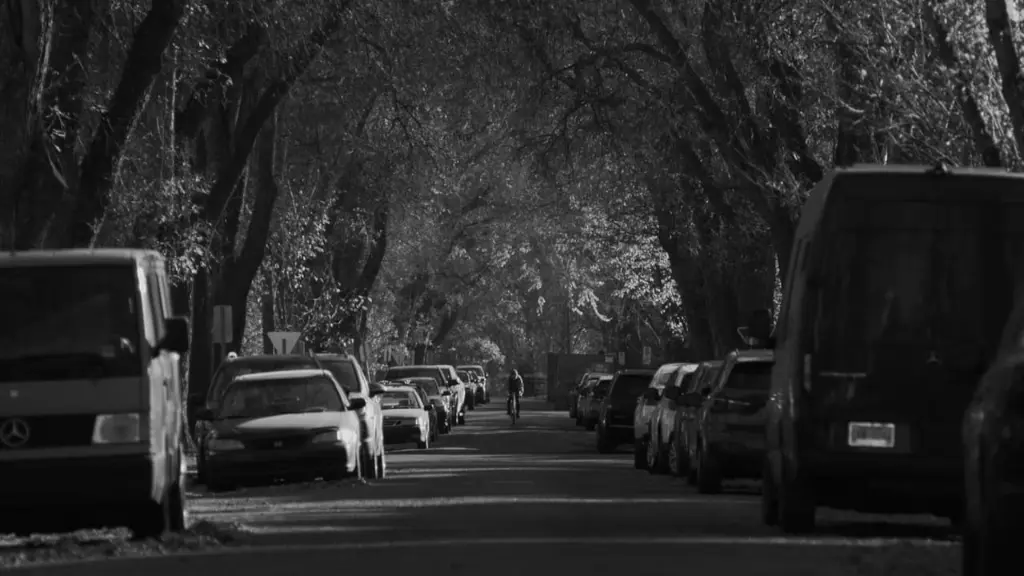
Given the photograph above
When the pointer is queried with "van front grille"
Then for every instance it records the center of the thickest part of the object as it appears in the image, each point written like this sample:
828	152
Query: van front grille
63	431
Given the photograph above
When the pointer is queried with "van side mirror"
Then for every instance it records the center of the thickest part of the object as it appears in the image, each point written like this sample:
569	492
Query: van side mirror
651	395
176	338
204	413
672	393
446	393
691	400
356	403
376	391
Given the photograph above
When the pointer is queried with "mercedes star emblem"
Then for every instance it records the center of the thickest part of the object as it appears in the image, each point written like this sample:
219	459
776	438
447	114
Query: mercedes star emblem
14	433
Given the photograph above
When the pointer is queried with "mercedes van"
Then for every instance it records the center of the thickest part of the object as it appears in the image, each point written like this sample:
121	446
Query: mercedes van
90	392
900	282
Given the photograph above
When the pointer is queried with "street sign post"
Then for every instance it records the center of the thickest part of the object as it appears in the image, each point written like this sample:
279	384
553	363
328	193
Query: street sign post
223	330
647	356
283	341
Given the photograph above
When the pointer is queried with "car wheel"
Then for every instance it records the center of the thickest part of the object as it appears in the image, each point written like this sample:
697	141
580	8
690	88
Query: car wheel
675	458
154	519
797	510
708	479
651	455
769	496
639	454
604	445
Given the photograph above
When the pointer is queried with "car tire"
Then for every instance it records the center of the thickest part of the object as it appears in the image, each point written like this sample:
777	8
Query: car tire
709	481
797	510
154	519
676	460
639	454
651	457
604	445
769	496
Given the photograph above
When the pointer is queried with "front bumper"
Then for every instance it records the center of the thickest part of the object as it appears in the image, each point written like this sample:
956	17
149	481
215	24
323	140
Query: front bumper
74	481
236	465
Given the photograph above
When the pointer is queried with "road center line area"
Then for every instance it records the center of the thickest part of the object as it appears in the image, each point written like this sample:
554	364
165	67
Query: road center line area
496	499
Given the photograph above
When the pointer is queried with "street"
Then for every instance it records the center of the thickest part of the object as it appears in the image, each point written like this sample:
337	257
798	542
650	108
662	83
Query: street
506	499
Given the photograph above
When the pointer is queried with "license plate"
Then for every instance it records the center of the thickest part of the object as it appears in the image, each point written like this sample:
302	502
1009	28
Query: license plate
278	444
872	435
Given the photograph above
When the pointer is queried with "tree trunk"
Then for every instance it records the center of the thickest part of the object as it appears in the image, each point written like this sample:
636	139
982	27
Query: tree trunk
1000	36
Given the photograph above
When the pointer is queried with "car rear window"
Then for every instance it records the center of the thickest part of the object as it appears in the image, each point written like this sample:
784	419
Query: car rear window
231	370
630	385
901	279
399	372
750	376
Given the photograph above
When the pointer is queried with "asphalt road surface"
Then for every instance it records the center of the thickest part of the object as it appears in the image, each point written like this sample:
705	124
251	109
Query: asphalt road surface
496	499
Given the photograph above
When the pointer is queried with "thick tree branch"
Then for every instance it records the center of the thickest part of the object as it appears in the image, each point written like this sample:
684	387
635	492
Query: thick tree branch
145	59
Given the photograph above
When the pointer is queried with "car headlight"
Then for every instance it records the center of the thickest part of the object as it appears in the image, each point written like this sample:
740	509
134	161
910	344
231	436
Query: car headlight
329	437
116	429
224	445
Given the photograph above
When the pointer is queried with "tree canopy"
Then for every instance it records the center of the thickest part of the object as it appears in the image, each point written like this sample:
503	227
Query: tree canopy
480	180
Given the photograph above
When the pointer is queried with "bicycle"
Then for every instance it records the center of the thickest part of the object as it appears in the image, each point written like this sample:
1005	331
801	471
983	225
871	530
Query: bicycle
513	403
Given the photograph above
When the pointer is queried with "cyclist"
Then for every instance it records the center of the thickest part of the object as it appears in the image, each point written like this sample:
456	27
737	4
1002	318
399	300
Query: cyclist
515	390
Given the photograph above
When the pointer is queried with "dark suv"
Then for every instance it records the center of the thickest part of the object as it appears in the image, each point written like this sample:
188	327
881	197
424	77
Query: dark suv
731	420
615	416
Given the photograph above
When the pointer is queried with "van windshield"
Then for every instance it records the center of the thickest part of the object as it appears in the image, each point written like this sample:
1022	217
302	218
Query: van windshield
69	322
901	281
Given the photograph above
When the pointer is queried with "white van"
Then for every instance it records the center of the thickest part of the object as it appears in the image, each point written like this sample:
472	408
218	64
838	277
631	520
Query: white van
90	392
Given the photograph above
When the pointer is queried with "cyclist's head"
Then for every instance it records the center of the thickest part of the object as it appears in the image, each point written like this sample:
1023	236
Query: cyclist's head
515	372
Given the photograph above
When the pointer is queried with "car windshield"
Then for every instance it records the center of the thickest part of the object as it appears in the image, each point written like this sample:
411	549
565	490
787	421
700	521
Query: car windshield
477	370
260	398
344	371
429	385
750	376
399	399
463	375
253	365
630	386
602	386
69	322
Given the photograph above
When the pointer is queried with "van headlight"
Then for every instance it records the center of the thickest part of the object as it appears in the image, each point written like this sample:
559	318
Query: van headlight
116	429
224	445
329	437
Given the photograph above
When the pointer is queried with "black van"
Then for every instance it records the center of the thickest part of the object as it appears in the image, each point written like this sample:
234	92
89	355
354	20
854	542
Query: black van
900	282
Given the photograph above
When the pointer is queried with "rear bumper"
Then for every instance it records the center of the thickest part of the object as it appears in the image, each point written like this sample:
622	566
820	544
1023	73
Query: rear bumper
246	464
77	481
885	482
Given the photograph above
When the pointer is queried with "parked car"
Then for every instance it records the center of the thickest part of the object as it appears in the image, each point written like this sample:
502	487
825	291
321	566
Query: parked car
993	434
590	403
894	304
293	424
228	371
645	402
437	399
663	420
405	417
458	389
346	370
427	405
478	373
683	450
437	373
91	416
617	409
731	420
573	395
471	388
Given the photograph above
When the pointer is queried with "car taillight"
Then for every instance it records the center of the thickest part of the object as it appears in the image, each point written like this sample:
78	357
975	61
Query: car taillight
807	372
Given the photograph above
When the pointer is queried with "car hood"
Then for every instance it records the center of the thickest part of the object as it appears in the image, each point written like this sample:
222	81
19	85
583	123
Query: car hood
404	413
308	422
